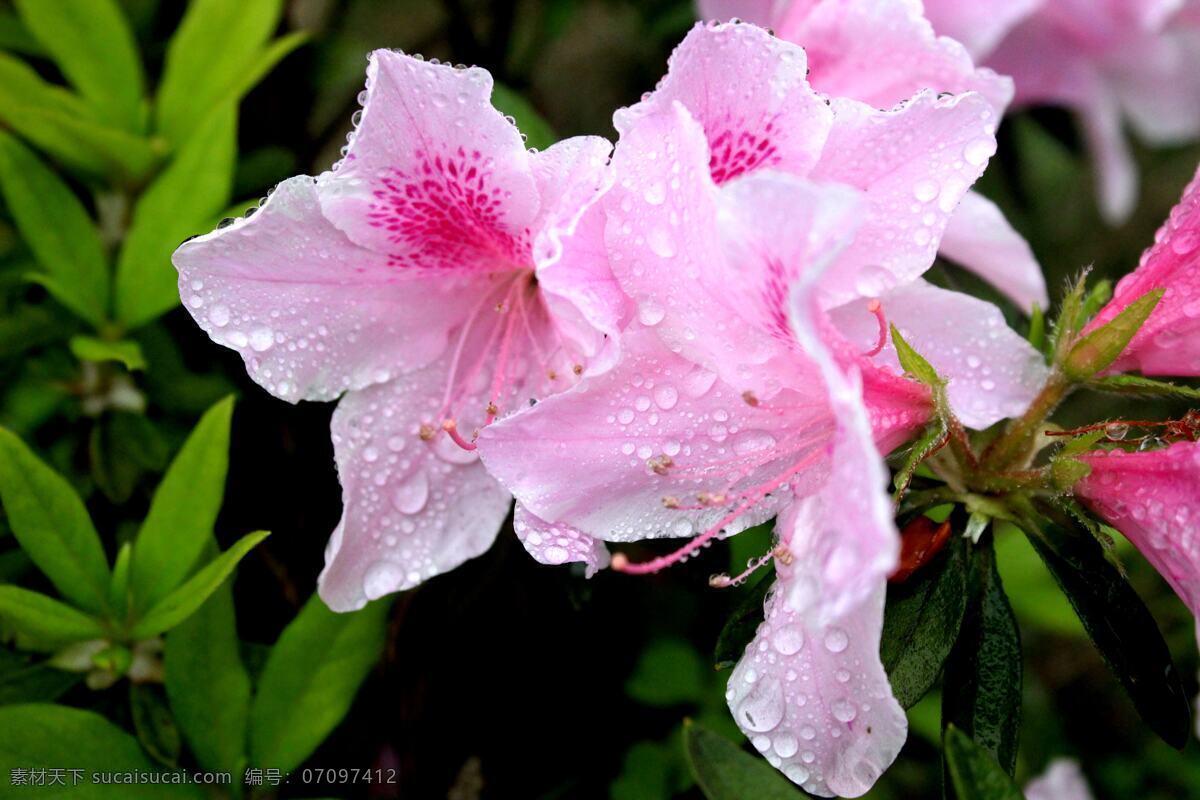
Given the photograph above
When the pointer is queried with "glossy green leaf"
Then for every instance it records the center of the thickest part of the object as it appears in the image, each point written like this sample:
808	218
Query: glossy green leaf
921	623
126	353
44	618
310	680
208	685
52	525
1099	349
981	693
215	46
92	44
87	146
669	672
1120	626
118	587
153	723
530	122
36	734
183	601
54	224
742	624
180	203
725	772
913	362
974	770
180	522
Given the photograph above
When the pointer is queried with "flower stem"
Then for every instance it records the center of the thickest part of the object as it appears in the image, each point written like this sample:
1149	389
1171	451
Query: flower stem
1013	447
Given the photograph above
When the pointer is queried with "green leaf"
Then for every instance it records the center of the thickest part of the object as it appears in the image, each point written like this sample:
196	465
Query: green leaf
24	681
183	602
669	672
127	352
1137	386
981	693
1100	293
1070	316
1119	624
934	434
16	37
92	44
54	224
913	362
118	588
52	525
123	447
921	623
180	203
538	132
21	87
37	734
742	624
180	522
1037	328
215	46
46	619
725	772
975	772
1100	348
208	685
153	723
28	326
310	680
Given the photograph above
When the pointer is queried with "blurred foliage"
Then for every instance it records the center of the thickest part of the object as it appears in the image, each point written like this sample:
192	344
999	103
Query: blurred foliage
127	126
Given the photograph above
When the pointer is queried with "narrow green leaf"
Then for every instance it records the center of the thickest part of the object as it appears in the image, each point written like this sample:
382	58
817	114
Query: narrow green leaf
921	623
16	37
742	624
668	673
180	522
725	772
23	680
123	448
1119	624
1137	386
90	348
208	685
1070	316
153	723
310	680
913	362
1100	348
180	203
54	224
88	146
215	45
538	132
92	44
21	87
45	619
1100	293
974	770
52	525
183	602
929	440
33	734
1037	328
982	690
28	326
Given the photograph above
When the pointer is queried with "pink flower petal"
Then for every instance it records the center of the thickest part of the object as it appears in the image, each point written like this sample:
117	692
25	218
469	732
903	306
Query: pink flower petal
993	372
435	177
815	700
914	163
979	24
555	543
311	314
760	12
411	509
1062	780
1169	342
1151	497
979	238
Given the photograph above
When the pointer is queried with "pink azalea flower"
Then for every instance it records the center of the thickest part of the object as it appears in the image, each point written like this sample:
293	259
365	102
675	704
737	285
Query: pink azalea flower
1169	342
1151	497
425	278
1062	780
883	52
1109	61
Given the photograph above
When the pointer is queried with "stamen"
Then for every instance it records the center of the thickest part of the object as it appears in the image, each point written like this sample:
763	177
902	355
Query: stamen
577	369
660	465
750	398
451	428
426	432
670	501
876	308
723	581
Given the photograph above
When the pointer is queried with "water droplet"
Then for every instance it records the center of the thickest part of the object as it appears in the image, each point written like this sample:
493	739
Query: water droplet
844	711
656	193
261	339
661	243
666	396
650	313
762	708
219	315
925	191
788	640
978	151
1116	431
411	496
752	442
836	640
382	577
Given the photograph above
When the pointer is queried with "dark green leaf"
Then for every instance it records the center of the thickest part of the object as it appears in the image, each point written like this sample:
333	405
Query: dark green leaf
913	362
1138	386
36	734
921	623
538	132
1119	625
123	447
208	685
183	601
54	224
725	772
180	203
310	680
44	618
982	690
16	37
83	144
92	44
1037	328
669	672
118	589
180	522
1099	349
974	770
28	326
23	680
743	622
934	434
52	525
153	723
126	353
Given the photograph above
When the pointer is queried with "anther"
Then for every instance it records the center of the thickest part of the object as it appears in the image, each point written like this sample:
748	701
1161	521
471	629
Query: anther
551	374
660	465
876	308
451	428
492	410
426	432
720	581
619	561
750	398
711	498
577	369
784	555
